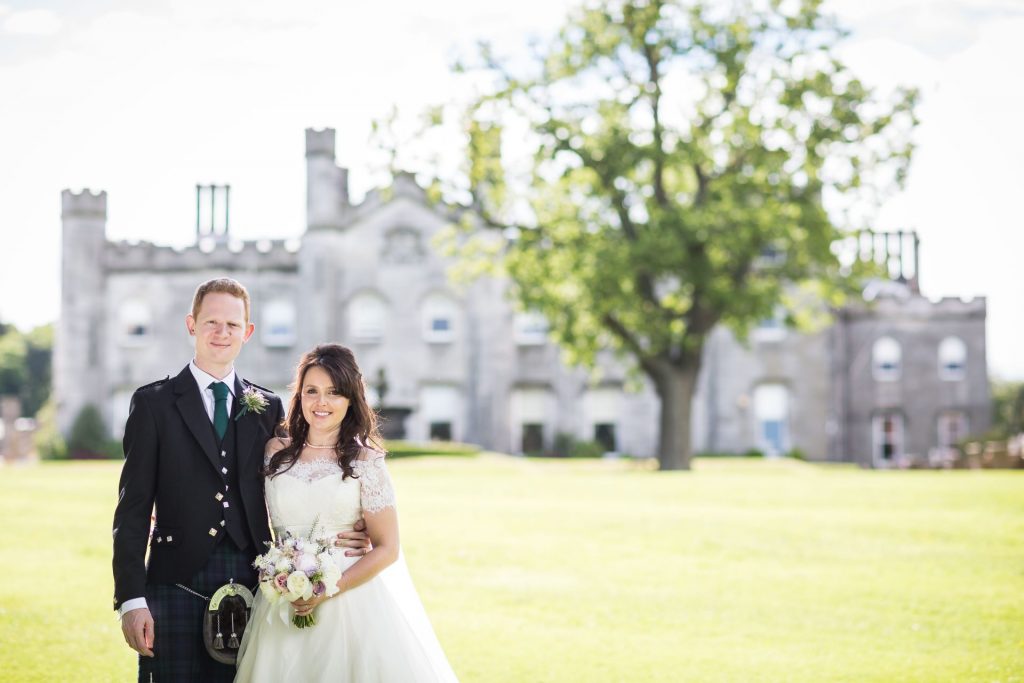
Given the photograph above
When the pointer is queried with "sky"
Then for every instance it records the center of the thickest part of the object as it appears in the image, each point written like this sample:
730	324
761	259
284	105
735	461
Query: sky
144	100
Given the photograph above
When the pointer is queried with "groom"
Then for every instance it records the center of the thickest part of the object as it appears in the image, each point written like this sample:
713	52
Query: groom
194	448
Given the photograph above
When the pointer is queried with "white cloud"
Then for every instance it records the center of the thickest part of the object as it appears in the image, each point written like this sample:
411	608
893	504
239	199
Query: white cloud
33	22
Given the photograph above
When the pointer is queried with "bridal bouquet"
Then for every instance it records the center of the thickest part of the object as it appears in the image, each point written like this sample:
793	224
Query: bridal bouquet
295	568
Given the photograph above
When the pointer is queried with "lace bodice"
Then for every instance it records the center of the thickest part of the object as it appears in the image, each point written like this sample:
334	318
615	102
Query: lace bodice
315	491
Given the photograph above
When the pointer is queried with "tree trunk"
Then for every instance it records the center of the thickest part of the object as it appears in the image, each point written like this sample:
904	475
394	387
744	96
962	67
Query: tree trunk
675	386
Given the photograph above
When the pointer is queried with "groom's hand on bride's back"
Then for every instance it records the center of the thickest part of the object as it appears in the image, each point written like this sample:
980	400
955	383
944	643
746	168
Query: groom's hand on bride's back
137	627
355	542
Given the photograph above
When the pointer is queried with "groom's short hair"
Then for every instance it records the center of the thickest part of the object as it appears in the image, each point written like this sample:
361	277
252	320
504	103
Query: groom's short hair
220	284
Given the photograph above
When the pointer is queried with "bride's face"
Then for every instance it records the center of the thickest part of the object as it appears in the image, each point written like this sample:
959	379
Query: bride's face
322	406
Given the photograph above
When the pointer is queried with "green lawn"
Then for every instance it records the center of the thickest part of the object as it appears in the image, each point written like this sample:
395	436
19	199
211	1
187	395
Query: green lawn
579	571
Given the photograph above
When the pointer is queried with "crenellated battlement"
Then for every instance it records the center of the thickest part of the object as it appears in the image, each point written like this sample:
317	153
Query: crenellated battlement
959	306
320	142
83	204
917	307
254	255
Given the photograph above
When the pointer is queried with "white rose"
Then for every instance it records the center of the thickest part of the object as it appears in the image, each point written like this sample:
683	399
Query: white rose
299	585
269	592
331	576
282	565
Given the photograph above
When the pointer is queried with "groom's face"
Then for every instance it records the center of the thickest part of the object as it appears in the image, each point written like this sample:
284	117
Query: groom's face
220	329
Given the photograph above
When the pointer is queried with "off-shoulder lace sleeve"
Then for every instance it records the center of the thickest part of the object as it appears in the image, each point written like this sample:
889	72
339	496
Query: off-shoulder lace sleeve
376	491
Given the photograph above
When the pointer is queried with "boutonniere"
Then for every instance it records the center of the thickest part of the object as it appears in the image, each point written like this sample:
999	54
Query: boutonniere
252	402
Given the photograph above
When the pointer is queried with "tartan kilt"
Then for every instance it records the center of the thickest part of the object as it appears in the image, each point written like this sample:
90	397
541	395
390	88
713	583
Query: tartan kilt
179	653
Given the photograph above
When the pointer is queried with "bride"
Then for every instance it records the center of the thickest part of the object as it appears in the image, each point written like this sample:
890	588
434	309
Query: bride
328	474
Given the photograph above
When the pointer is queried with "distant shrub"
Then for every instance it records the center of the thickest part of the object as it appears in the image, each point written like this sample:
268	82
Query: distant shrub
402	449
564	445
48	442
587	449
89	438
753	453
797	454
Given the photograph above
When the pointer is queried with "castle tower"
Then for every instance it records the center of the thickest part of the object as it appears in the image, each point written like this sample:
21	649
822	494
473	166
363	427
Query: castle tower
327	207
78	363
326	182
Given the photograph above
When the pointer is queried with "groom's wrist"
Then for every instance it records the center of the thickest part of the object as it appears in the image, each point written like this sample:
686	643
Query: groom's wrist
133	604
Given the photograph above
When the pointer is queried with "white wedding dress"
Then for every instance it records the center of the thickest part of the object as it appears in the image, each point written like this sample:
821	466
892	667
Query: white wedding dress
377	632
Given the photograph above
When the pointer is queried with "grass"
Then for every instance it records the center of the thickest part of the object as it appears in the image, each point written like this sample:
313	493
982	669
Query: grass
556	571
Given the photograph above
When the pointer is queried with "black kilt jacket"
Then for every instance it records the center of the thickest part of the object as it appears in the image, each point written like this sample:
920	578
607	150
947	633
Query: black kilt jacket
172	462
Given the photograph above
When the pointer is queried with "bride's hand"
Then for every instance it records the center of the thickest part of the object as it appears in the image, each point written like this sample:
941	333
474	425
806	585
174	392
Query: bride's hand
304	607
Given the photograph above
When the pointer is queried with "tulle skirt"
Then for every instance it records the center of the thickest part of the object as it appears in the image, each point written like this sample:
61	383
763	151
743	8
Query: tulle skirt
375	633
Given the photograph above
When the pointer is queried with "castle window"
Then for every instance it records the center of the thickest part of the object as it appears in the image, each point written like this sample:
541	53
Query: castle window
952	359
136	322
441	408
278	323
367	314
772	256
533	412
403	246
772	329
602	409
530	329
886	360
771	410
440	431
533	438
887	439
604	434
952	428
440	313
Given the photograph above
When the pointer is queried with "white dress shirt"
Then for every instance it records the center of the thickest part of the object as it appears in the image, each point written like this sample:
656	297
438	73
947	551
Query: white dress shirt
203	379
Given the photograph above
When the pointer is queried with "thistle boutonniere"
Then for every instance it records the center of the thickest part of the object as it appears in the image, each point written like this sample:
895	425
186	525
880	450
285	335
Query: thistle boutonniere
252	402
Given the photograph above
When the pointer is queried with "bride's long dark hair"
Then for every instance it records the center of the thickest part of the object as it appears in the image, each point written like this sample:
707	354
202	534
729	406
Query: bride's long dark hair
358	427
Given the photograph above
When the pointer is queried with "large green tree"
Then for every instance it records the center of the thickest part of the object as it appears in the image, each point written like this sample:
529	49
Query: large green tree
679	156
25	365
1007	409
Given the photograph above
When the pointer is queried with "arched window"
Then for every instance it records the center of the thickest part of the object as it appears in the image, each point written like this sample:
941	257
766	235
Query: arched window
602	411
278	323
886	359
952	427
531	328
771	329
887	439
952	359
135	321
441	409
367	315
533	414
440	318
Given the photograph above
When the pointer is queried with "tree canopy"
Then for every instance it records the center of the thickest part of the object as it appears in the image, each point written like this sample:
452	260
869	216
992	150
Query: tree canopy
678	160
25	365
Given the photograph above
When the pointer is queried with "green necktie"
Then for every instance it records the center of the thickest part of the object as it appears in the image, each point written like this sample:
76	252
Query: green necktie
220	408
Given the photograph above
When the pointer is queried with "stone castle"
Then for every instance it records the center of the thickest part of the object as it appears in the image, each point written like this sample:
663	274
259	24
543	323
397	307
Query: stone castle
890	379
